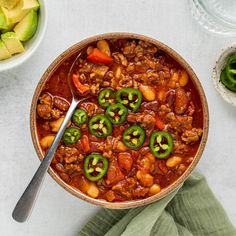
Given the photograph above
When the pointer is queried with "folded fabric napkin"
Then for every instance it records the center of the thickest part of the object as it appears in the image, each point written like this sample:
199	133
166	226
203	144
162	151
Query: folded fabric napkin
190	210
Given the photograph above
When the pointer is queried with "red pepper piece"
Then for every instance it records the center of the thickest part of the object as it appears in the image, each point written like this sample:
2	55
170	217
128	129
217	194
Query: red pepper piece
80	87
99	57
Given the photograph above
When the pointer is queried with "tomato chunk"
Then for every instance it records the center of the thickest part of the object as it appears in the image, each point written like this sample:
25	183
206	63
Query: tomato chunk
160	124
85	143
114	173
99	57
125	161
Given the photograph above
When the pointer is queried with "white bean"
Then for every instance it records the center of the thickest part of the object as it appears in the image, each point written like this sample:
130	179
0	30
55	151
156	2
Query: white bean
148	92
93	191
173	161
154	189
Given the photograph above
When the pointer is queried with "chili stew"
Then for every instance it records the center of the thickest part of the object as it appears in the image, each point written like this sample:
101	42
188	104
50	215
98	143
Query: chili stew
136	134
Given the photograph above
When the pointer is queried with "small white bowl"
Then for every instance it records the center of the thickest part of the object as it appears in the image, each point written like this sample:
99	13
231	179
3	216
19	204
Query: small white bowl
31	45
226	94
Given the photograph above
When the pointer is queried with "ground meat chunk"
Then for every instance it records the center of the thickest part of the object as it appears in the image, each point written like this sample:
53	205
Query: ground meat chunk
120	58
152	106
138	50
56	114
140	191
107	146
178	124
44	111
46	99
164	109
191	136
44	108
180	148
73	167
68	154
100	70
85	67
46	126
146	119
181	169
91	108
191	109
124	82
129	48
125	187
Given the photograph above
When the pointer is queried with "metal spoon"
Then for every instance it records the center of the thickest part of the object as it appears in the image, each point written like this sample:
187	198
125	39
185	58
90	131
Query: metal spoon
25	204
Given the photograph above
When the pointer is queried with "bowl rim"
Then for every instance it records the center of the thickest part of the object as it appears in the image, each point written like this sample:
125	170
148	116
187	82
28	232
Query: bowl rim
23	57
69	52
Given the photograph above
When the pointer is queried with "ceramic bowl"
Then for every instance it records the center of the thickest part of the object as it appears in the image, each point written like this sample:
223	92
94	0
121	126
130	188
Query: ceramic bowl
226	94
77	47
31	45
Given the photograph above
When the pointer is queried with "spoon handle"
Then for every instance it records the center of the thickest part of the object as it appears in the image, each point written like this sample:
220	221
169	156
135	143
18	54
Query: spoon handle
25	204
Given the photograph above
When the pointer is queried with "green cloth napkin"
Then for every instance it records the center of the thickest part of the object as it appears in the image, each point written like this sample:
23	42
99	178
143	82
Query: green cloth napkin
190	210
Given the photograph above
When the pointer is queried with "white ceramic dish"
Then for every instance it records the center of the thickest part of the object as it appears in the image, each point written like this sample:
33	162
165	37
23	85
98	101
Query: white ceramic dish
31	45
226	94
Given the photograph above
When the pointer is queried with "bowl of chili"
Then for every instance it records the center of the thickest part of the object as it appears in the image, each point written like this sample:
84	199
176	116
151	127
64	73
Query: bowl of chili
139	135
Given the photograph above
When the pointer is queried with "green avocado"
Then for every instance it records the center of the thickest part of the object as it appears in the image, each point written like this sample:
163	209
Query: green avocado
27	27
4	27
3	21
9	4
17	13
12	43
30	5
8	28
4	53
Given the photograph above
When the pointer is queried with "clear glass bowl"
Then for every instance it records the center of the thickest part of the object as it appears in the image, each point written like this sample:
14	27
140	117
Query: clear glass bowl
218	16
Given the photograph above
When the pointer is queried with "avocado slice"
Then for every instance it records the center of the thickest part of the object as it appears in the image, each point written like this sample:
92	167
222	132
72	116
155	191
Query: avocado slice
27	27
4	27
8	28
12	43
30	5
17	13
3	21
9	4
4	53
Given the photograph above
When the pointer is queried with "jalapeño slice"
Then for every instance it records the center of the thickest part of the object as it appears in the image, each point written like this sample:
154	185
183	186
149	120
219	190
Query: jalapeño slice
231	69
129	97
80	116
226	82
161	144
106	97
116	113
134	137
95	166
100	126
71	135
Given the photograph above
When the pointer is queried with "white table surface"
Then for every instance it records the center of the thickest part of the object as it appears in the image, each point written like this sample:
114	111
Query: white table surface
57	213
